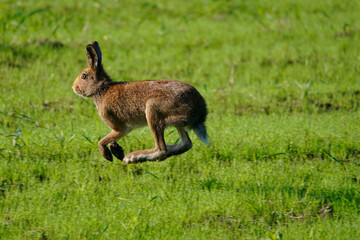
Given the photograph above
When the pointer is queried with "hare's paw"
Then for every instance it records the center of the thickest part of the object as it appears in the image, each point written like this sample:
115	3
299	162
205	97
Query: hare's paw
117	150
135	157
106	153
145	155
130	158
127	160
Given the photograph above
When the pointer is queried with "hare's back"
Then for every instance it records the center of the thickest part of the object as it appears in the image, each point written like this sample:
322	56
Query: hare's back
175	93
178	101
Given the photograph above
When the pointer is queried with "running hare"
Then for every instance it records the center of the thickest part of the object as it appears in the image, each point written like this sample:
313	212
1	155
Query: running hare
124	106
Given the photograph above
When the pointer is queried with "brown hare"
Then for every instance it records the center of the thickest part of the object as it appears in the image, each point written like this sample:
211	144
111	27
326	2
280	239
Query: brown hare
124	106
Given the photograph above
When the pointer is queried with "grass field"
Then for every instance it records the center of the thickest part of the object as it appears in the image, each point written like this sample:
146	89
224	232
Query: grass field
281	79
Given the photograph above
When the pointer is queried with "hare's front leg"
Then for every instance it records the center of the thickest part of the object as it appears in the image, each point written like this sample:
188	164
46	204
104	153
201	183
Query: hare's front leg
115	148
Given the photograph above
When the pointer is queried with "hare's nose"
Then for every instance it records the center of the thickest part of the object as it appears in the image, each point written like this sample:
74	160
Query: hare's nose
75	88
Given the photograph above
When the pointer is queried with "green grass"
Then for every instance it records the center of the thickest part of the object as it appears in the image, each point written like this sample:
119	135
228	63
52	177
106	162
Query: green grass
281	80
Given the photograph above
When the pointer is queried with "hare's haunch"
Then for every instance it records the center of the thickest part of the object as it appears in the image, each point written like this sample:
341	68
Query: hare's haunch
124	106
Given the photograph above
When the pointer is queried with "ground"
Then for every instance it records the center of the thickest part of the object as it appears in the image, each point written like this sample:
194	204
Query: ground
281	80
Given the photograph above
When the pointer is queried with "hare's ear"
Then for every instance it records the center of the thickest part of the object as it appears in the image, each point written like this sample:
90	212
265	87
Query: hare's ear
98	52
92	57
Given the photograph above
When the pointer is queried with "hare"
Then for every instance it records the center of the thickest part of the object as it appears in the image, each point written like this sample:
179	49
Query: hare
124	106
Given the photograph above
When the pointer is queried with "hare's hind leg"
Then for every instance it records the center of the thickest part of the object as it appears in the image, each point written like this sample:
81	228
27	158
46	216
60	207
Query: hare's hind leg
156	154
182	146
157	128
115	148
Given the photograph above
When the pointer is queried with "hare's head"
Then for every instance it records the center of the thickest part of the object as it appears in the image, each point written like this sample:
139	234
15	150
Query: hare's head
91	80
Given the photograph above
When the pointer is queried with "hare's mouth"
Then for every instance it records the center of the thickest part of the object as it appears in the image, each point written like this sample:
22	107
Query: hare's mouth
78	92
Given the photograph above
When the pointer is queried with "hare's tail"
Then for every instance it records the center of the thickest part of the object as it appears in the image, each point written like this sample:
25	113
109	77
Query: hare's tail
200	131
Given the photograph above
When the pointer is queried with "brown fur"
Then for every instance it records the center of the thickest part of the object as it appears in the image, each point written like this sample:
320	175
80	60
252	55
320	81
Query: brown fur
124	106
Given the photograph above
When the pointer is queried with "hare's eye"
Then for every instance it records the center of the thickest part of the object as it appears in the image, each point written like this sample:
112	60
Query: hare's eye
83	76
